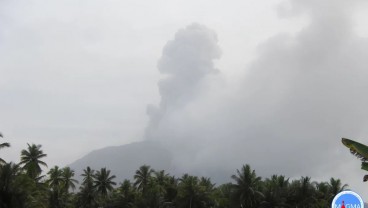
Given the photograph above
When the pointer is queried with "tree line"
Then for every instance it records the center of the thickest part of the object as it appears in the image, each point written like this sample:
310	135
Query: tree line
23	185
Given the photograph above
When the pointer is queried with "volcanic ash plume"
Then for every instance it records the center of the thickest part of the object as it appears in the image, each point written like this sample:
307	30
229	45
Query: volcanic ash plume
185	62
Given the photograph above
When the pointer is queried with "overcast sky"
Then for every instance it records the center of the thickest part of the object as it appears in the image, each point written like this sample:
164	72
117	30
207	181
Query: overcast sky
274	84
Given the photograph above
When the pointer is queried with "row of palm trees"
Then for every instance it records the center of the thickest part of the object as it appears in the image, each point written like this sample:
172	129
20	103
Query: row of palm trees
23	185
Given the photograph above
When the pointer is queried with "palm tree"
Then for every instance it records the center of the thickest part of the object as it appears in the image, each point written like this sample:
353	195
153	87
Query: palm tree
10	195
103	181
142	178
193	193
171	189
206	183
30	159
207	191
103	184
302	192
223	195
88	174
2	145
87	191
55	180
323	194
335	187
161	179
18	190
126	188
126	194
56	183
67	176
275	191
247	188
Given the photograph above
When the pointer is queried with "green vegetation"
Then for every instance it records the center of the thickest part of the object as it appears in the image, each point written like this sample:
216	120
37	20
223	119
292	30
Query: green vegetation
360	151
2	145
23	185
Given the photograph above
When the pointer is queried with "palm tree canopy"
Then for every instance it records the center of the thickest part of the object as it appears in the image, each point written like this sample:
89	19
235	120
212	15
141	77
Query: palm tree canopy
10	193
31	160
88	175
195	192
55	180
7	173
2	145
103	181
67	175
142	177
161	177
87	191
246	189
125	187
5	144
336	186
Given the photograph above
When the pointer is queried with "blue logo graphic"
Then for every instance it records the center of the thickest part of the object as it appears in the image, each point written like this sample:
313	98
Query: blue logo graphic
347	199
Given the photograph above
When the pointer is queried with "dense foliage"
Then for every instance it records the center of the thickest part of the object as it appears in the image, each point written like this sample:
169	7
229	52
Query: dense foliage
23	185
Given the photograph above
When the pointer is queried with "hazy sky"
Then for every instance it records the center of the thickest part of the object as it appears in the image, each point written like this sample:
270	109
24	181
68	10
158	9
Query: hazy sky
274	84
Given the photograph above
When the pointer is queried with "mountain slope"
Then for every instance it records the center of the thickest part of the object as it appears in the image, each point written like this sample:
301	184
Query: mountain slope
124	160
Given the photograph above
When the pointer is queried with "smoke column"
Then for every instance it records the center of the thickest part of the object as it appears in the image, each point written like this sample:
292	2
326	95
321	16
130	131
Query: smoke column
185	62
300	95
